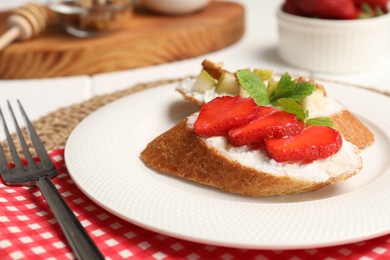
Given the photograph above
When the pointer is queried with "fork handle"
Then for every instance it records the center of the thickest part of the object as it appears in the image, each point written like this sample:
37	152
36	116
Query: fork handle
81	243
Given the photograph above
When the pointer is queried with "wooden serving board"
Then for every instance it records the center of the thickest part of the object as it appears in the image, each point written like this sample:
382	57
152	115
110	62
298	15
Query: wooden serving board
146	39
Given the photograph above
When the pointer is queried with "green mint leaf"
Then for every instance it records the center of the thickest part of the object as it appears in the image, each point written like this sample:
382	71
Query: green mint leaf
292	107
288	88
302	90
325	121
254	86
284	88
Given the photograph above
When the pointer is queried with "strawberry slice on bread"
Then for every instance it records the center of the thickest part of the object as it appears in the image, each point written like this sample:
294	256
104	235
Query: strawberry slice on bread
224	113
276	123
313	143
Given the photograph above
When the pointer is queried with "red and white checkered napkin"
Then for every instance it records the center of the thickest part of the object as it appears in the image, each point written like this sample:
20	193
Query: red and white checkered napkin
28	230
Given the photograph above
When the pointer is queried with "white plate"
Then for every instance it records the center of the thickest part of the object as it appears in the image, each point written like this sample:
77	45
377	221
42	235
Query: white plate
102	156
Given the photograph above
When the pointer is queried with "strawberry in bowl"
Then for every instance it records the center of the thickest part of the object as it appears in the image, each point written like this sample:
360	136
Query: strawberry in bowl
336	9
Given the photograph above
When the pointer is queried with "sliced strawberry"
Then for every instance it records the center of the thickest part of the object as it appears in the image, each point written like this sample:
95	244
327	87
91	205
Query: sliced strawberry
268	124
314	142
221	114
264	110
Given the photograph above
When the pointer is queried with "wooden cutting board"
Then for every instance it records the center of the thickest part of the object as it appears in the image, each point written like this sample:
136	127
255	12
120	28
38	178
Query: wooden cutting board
146	39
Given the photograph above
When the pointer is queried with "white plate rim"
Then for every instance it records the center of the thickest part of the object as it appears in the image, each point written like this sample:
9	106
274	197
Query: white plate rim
81	161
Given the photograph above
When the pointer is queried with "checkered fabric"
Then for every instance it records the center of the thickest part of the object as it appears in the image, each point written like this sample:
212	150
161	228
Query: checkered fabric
28	230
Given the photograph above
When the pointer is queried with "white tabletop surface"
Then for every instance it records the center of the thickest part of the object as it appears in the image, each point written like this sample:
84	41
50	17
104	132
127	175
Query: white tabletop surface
257	48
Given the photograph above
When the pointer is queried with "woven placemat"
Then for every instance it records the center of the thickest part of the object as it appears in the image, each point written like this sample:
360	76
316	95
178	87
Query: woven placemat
55	128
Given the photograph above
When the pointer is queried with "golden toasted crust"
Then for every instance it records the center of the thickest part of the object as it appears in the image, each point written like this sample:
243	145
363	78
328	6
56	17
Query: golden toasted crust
352	129
213	69
181	153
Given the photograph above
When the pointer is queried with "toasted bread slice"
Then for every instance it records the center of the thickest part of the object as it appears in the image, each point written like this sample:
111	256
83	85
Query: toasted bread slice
180	152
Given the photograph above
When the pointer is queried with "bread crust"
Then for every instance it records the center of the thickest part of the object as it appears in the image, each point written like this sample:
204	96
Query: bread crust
352	129
179	152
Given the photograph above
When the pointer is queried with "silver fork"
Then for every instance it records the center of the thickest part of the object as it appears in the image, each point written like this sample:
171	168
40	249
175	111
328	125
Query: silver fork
39	174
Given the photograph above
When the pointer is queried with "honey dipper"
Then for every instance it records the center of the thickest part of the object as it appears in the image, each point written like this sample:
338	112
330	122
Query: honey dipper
25	23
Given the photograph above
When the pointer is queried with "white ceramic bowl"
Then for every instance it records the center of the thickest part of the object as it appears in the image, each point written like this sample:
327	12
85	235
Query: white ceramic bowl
174	7
333	45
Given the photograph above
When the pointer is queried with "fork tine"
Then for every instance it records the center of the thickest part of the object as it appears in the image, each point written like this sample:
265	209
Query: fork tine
22	140
41	151
14	154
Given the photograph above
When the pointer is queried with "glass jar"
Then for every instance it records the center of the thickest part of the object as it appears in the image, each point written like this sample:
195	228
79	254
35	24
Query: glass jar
87	18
